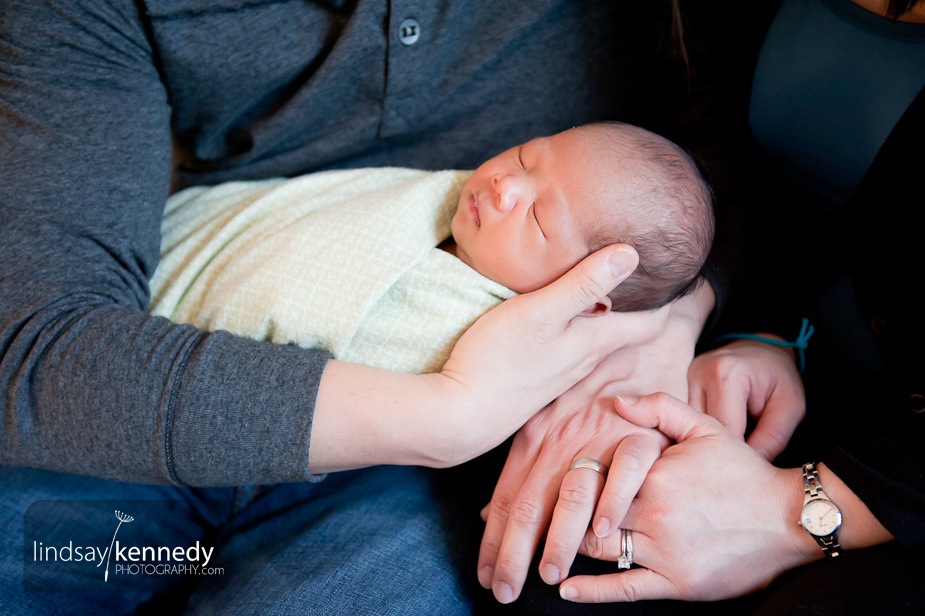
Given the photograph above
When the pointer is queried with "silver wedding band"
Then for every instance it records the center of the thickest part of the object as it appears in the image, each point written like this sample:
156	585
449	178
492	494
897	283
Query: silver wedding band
626	545
595	465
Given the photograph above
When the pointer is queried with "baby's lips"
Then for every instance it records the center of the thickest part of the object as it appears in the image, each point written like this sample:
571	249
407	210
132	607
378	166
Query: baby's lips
474	210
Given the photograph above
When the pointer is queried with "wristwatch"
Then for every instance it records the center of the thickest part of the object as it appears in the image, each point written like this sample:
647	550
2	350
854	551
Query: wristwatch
820	516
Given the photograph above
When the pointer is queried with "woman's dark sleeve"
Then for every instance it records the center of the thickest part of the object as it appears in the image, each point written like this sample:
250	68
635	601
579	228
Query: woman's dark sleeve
884	460
91	384
699	99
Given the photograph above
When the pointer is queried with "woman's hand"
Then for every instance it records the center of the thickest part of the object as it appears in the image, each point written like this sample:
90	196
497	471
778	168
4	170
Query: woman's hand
510	364
581	423
750	378
713	519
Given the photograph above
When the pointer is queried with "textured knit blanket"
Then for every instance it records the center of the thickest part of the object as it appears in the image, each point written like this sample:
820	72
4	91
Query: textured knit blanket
340	260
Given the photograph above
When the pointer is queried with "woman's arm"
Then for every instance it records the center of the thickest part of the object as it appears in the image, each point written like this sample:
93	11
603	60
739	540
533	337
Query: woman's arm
860	528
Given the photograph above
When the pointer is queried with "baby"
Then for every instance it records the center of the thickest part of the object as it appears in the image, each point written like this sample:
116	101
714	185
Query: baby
349	261
530	214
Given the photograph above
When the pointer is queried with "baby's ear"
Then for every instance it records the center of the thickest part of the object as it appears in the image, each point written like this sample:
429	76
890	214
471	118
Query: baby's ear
601	307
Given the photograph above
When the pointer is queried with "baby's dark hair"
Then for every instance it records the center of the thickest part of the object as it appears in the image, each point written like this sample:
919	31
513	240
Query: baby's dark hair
664	210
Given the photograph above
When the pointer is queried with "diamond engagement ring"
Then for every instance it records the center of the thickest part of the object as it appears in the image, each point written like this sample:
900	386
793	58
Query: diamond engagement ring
595	465
626	544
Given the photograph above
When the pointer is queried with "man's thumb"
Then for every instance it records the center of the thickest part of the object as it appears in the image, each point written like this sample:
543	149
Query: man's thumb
592	279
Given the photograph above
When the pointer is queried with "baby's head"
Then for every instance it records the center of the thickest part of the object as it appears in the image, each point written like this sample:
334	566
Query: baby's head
528	215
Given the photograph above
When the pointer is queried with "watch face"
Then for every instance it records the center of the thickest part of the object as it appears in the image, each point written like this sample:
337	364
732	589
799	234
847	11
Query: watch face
820	517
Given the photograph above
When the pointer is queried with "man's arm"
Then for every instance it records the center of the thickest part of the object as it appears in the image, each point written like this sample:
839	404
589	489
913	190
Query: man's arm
91	383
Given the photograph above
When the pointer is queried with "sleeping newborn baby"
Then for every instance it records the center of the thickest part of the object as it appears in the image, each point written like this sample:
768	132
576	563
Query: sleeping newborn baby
389	266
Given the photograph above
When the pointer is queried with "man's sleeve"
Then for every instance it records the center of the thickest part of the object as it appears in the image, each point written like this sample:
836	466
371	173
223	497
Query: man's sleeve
91	384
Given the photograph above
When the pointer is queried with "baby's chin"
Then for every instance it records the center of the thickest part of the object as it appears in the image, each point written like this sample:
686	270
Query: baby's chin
457	249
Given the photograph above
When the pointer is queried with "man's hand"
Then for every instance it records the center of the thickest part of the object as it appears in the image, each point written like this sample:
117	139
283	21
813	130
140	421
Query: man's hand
506	367
537	472
582	423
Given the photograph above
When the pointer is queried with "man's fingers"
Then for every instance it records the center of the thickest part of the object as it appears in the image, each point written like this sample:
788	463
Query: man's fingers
528	519
520	460
587	283
519	516
581	488
513	476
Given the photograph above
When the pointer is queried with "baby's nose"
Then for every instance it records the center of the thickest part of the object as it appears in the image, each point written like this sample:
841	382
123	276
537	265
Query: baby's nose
508	190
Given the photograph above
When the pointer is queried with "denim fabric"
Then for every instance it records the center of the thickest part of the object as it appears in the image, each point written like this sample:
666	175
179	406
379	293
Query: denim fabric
360	542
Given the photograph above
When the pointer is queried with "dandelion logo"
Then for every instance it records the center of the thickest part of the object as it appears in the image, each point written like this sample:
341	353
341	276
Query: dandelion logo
122	517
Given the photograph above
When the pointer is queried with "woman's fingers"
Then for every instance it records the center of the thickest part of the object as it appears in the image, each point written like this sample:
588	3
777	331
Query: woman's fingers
673	418
718	388
777	423
727	402
748	378
632	460
633	585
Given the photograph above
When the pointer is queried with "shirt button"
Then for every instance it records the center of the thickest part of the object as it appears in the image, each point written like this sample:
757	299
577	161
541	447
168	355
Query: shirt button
917	403
878	324
409	31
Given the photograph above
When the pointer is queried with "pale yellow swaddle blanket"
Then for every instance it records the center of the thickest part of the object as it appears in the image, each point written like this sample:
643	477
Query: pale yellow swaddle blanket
340	260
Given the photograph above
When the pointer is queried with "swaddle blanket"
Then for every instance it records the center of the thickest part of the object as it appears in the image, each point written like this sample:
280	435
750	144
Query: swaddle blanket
340	260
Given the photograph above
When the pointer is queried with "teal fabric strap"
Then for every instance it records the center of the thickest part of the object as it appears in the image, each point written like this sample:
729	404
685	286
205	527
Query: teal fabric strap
800	344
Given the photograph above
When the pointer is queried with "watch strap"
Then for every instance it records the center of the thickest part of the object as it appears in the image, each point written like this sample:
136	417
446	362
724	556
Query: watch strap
811	485
829	545
813	489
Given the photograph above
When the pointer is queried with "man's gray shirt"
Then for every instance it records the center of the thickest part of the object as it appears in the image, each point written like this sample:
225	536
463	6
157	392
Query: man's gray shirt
106	106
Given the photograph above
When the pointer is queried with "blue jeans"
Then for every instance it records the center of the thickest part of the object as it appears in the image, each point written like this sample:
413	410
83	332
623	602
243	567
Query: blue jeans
374	541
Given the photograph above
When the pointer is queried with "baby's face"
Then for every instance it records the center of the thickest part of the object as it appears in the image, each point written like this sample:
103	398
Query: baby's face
526	216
